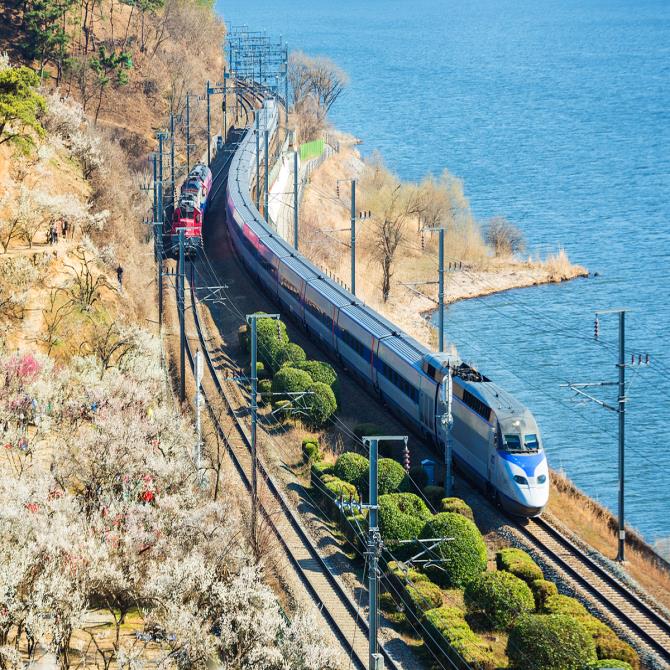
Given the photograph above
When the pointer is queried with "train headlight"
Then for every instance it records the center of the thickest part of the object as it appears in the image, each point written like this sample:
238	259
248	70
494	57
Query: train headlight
520	480
542	479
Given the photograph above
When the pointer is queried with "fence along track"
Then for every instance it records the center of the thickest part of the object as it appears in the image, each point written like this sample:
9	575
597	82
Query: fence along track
335	603
634	617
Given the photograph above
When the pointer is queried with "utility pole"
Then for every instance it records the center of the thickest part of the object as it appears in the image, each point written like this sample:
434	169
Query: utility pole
198	424
160	212
188	133
286	83
181	279
353	236
251	319
374	548
620	409
295	200
258	160
209	123
448	421
224	106
267	172
172	180
440	293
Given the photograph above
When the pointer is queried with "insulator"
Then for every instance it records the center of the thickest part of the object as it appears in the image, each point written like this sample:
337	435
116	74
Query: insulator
647	360
337	190
639	359
632	359
596	328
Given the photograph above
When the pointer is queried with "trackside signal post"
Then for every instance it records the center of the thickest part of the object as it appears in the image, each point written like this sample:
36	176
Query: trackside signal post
620	409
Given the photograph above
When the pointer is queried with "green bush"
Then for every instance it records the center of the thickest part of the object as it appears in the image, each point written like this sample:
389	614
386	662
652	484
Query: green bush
352	467
463	645
561	604
550	642
401	516
312	451
272	338
282	410
314	439
424	595
519	563
261	373
390	476
608	644
289	380
542	589
416	481
464	556
457	506
501	596
319	405
320	371
290	355
355	527
404	573
322	468
264	391
434	495
611	663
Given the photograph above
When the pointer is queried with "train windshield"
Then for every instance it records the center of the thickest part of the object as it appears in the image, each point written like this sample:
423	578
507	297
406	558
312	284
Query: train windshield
531	443
514	444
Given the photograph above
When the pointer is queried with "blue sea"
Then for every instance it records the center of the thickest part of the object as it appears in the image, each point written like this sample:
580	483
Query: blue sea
556	115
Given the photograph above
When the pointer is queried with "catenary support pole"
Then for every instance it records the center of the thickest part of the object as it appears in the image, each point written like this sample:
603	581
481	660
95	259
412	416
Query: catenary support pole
188	133
448	477
198	423
353	236
621	556
160	211
266	188
296	214
209	129
225	105
254	411
172	180
373	532
440	293
182	334
286	84
258	159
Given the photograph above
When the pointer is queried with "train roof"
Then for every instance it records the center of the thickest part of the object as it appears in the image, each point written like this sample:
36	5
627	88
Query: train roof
504	404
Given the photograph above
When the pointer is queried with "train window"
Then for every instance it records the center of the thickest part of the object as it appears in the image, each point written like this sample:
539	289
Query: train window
513	442
530	442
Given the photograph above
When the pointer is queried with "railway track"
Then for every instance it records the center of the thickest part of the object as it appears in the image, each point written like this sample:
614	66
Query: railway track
336	605
630	614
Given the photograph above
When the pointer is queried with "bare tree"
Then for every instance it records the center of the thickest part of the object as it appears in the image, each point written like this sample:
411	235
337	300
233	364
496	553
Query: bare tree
109	344
84	289
504	237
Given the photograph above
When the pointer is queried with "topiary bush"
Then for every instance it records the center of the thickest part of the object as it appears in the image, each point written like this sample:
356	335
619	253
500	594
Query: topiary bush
424	595
319	405
519	563
282	410
457	506
434	495
465	555
337	490
390	476
542	589
560	604
261	372
289	380
320	371
312	452
608	644
351	467
290	355
501	596
550	642
401	516
403	573
271	337
264	391
611	663
463	645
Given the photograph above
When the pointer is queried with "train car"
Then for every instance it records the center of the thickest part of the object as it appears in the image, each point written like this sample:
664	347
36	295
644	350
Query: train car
189	212
495	439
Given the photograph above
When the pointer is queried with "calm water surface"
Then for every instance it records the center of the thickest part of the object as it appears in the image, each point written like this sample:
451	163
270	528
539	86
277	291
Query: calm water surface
556	115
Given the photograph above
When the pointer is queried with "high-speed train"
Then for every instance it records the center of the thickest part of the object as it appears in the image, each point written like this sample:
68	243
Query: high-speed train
495	440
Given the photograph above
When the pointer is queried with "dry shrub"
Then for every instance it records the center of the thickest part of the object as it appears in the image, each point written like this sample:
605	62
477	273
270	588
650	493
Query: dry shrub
504	238
559	267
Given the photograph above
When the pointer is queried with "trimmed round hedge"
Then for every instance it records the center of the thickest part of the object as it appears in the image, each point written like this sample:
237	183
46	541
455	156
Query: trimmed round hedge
608	644
265	391
401	516
351	467
501	596
611	663
457	506
424	595
465	555
542	589
291	354
320	371
519	563
406	574
560	604
390	476
289	380
550	642
271	338
319	405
